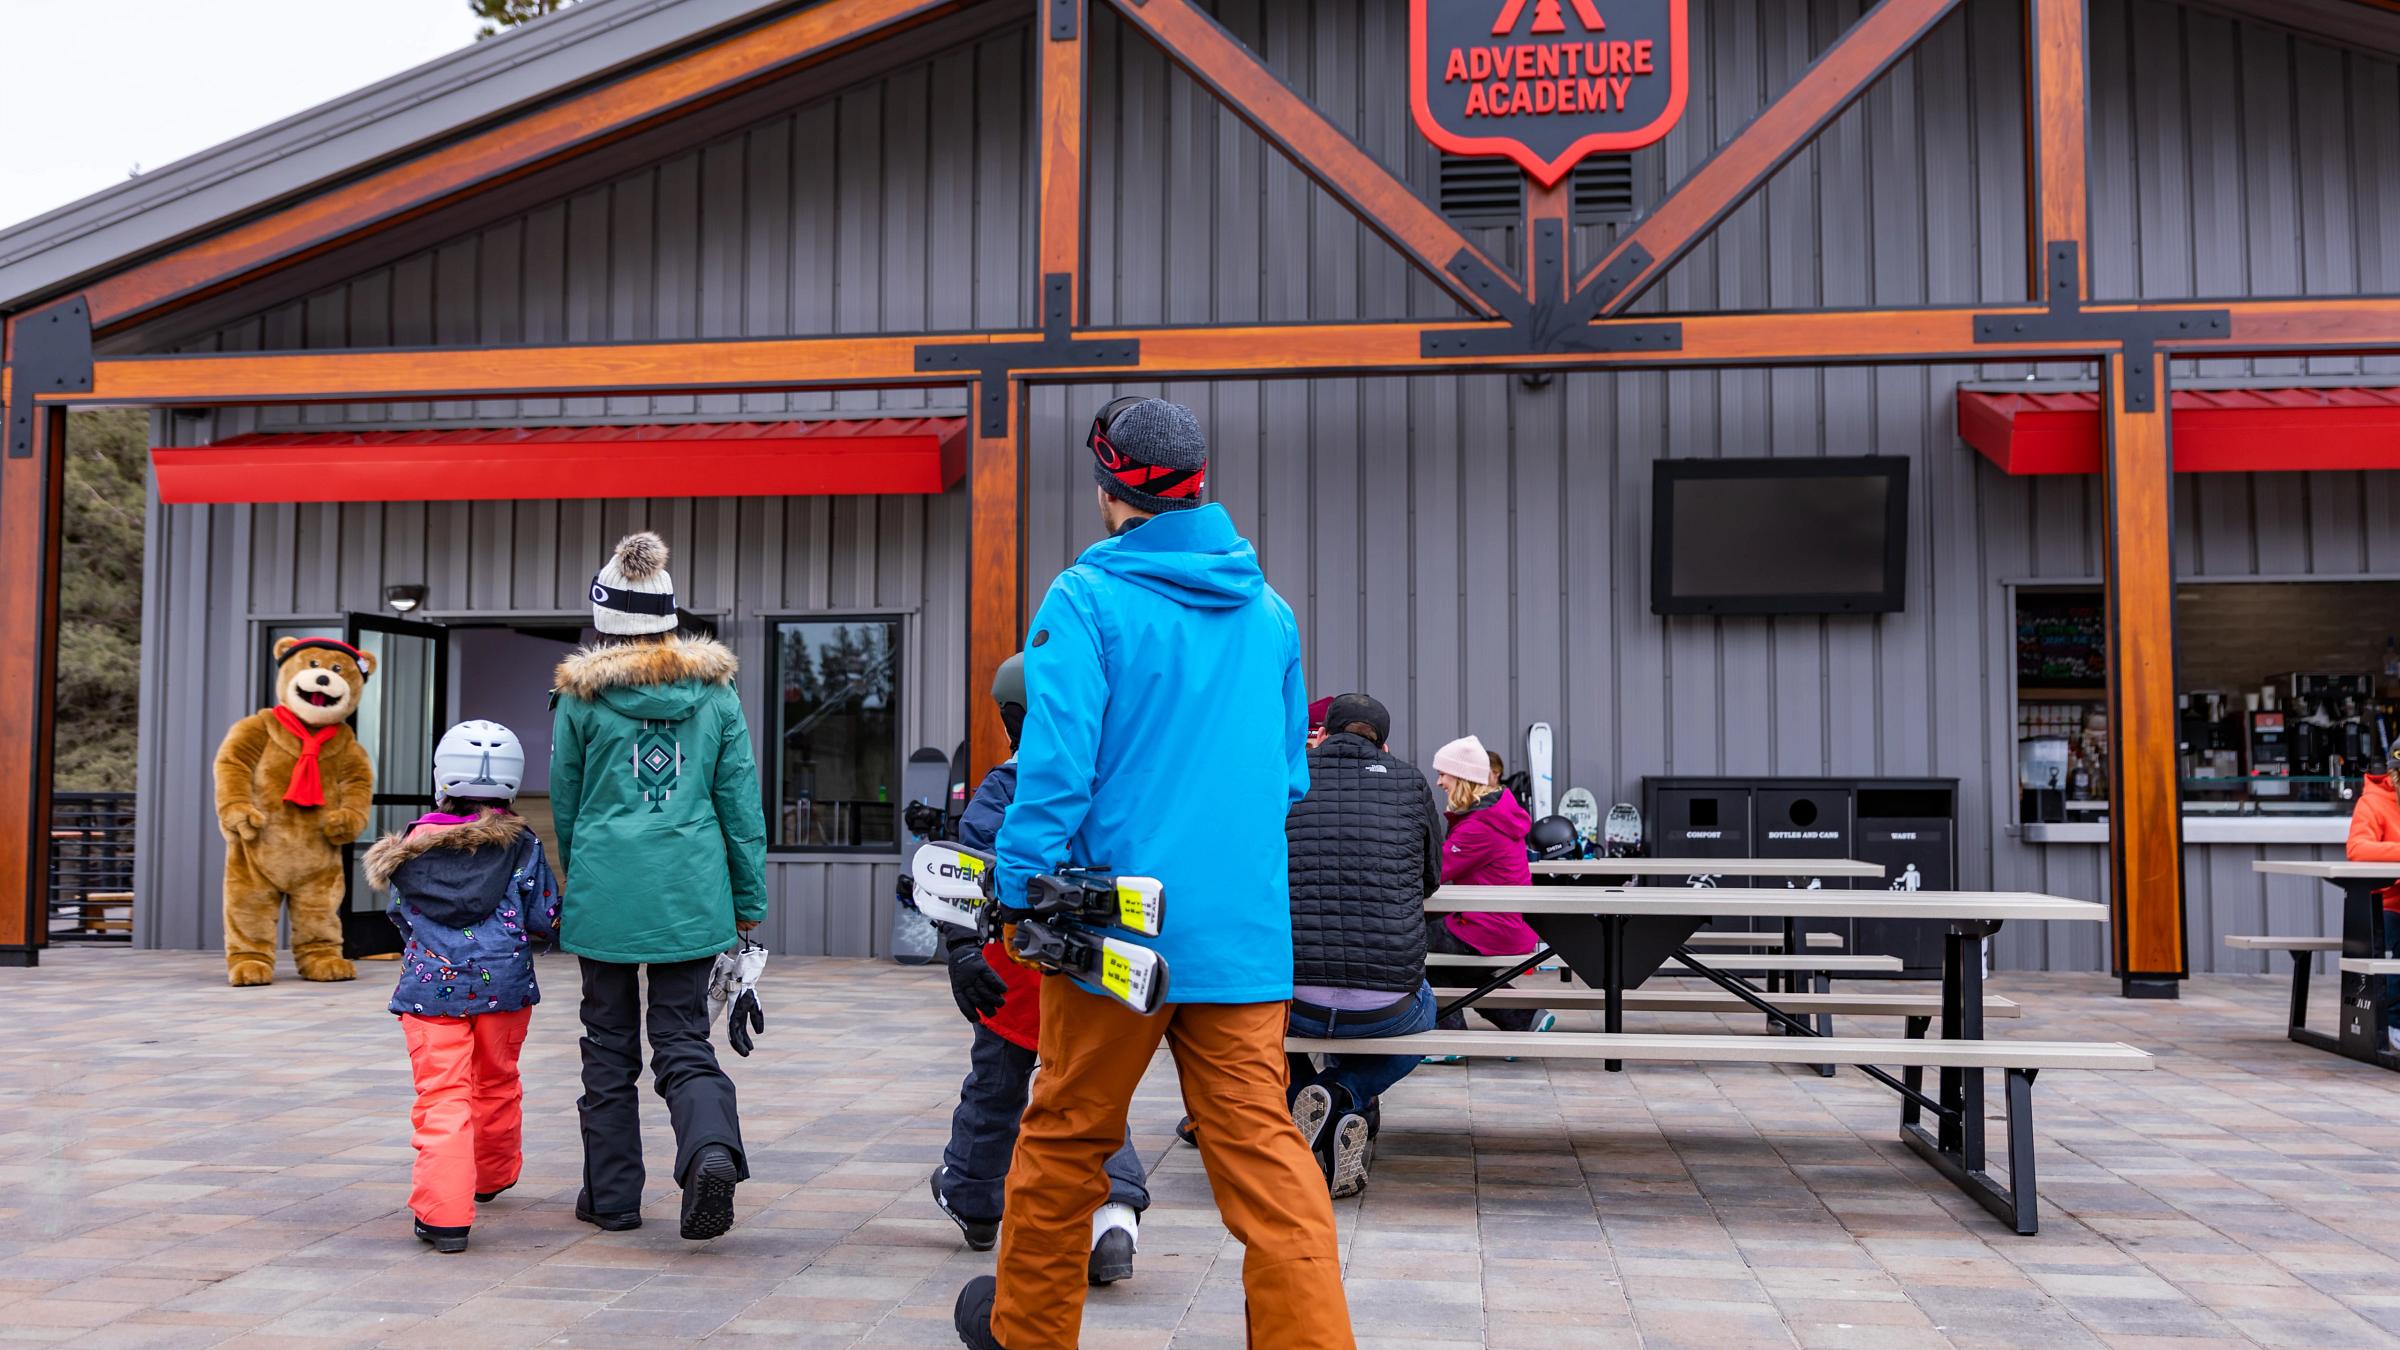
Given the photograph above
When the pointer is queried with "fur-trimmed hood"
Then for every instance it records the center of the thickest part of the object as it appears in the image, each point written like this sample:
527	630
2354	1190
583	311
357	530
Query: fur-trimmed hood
656	681
453	874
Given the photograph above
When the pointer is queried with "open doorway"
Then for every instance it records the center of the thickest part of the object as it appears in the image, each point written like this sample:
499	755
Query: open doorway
502	672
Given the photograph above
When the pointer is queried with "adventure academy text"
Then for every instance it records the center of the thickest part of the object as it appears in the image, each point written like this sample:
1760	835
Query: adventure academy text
1560	77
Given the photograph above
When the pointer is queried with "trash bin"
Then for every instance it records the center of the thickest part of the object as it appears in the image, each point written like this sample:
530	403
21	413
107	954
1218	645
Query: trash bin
1912	829
1806	820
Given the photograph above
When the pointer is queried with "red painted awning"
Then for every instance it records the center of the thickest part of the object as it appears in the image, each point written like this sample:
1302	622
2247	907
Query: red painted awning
2215	430
698	459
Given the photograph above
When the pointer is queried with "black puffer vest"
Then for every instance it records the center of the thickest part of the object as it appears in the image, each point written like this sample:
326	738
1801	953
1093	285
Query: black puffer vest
1366	846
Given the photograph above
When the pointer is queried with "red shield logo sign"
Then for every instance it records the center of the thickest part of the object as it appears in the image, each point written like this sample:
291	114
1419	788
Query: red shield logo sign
1546	82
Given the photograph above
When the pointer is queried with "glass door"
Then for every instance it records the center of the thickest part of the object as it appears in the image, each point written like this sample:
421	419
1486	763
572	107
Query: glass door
400	718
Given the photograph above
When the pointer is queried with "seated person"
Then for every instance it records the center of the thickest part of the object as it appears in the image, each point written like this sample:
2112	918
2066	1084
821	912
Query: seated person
1365	848
2375	837
1486	848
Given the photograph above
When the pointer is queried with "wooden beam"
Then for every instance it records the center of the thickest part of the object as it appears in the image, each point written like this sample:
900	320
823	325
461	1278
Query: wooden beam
1833	82
516	146
2057	97
2348	325
30	488
2145	847
1194	40
1062	106
995	578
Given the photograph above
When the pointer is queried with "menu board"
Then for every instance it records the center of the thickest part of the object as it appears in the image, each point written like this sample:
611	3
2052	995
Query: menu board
2061	639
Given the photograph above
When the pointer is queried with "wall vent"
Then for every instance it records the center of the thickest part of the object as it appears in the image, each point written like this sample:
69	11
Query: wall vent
1482	191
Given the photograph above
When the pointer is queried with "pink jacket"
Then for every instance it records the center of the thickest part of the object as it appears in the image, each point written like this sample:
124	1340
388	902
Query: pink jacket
1486	847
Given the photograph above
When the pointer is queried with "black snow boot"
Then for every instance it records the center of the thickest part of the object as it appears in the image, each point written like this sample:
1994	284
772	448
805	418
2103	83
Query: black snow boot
487	1197
972	1317
448	1241
708	1200
980	1234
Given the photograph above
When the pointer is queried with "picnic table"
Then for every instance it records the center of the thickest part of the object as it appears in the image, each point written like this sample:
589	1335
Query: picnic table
1617	937
1704	873
2364	1009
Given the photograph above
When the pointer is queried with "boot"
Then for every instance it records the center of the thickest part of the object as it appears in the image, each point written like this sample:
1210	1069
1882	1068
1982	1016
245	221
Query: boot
448	1241
708	1200
980	1234
971	1317
606	1223
1115	1230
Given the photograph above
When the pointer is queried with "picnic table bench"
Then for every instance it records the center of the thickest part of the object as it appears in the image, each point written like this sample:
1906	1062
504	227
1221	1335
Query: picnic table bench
1616	938
2364	1010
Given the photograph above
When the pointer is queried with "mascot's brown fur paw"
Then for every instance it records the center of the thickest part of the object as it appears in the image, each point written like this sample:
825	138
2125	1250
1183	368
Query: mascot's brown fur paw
317	966
243	973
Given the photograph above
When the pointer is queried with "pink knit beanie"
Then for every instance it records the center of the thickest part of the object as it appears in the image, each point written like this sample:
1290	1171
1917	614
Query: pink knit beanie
1464	758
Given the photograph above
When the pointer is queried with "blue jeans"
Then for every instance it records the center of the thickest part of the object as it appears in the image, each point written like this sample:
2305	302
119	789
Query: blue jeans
1364	1077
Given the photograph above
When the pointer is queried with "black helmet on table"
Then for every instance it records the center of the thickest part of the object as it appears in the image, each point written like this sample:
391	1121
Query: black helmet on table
1008	690
1552	837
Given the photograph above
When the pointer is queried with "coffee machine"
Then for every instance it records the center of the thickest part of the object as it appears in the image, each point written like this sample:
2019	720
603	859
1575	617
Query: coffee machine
2331	732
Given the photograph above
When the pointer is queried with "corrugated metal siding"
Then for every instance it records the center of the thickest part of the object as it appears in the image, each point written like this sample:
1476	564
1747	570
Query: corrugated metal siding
218	573
1471	549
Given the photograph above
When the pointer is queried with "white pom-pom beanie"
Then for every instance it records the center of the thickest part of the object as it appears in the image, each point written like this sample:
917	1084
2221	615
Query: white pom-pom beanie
1464	758
633	594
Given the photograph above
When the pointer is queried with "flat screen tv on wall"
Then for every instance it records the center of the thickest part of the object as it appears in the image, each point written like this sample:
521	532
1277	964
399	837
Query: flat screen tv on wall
1779	536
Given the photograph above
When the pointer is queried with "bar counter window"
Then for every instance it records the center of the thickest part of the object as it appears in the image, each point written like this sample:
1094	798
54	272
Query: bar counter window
835	760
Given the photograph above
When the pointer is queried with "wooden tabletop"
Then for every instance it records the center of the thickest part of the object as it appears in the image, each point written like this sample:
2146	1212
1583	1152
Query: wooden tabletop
2331	871
1714	867
1773	901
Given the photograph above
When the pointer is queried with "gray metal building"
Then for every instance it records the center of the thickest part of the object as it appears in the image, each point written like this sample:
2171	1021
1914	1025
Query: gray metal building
1474	549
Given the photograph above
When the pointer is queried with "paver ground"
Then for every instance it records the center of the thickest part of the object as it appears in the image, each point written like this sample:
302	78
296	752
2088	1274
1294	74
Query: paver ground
186	1164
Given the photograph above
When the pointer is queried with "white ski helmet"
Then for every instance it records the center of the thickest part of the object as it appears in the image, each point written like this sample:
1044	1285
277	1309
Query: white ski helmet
479	759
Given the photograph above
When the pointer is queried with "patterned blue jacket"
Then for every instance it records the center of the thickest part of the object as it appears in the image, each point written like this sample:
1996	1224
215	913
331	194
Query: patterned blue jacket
471	899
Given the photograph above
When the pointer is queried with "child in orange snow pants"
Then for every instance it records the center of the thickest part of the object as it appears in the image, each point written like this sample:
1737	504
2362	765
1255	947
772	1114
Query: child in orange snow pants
471	895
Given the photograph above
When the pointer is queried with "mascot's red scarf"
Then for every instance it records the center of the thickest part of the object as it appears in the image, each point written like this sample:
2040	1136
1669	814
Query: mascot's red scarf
308	775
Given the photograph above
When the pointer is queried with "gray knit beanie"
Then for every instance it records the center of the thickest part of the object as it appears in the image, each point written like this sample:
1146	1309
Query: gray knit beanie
1152	456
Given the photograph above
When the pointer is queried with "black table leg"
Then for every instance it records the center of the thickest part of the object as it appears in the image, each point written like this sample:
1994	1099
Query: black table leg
1612	1017
1956	1148
2364	1012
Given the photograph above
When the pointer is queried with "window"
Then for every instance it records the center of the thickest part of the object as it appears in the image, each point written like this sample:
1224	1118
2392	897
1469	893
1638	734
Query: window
835	762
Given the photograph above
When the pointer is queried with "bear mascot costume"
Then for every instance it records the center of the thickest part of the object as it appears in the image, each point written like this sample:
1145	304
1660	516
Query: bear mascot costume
293	787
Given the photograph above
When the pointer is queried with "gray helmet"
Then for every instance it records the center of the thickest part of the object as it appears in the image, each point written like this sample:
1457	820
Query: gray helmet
1008	682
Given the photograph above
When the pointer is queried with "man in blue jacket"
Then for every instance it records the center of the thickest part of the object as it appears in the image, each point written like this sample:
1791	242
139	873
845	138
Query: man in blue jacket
1165	725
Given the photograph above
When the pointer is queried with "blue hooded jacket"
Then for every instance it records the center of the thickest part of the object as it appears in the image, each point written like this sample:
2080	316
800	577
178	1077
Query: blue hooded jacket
471	900
1165	716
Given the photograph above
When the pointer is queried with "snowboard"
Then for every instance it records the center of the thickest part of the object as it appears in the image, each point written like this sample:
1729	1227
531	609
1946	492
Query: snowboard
924	779
1621	833
1537	766
1580	806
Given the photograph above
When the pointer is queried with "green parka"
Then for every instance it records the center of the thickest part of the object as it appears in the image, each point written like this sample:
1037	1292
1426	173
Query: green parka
656	792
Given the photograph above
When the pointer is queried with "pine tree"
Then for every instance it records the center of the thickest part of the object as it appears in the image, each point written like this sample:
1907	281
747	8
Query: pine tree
498	15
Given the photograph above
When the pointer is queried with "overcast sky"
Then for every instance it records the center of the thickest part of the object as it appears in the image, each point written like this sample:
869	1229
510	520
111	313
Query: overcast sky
91	90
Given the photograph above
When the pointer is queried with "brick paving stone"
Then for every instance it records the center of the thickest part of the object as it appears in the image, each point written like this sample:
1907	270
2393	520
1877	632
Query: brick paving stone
226	1187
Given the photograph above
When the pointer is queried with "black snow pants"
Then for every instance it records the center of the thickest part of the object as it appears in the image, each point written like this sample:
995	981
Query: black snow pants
683	1068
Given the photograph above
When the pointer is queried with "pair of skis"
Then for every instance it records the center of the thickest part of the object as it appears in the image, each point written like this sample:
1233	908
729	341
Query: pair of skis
954	884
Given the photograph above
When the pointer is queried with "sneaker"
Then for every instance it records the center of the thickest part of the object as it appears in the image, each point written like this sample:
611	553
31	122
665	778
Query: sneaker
1350	1144
971	1316
1115	1230
487	1197
1312	1106
448	1241
1543	1020
708	1200
1443	1059
980	1234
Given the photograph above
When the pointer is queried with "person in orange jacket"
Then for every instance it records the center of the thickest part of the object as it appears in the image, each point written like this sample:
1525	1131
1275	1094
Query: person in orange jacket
2375	837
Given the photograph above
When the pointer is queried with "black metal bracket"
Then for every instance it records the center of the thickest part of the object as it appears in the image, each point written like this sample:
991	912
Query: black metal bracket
1548	326
992	362
2068	320
52	354
1063	16
1499	981
1620	274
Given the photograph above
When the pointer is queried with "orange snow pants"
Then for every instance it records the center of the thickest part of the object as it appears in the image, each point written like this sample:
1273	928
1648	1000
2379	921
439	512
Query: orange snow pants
470	1110
1267	1184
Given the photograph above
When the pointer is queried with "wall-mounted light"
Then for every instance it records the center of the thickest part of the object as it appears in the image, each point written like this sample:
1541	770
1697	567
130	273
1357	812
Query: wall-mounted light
1534	379
404	599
